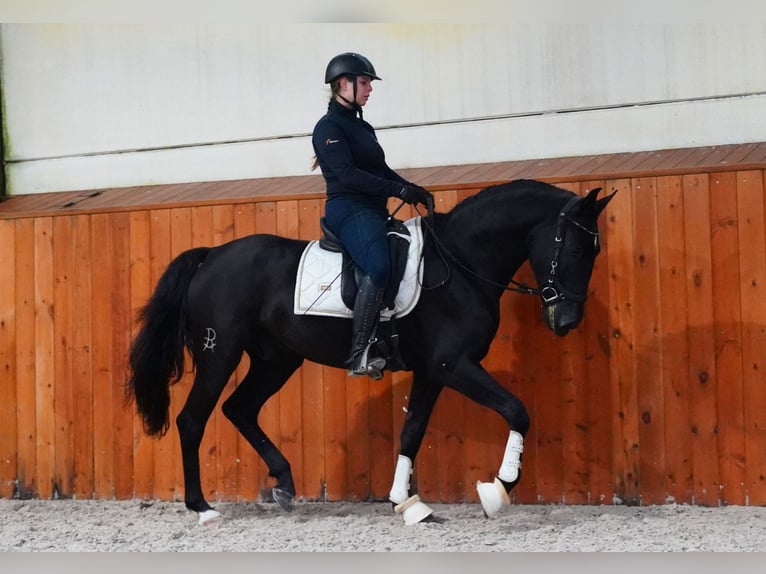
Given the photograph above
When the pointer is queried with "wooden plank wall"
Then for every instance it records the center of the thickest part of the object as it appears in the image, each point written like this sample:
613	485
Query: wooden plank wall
659	396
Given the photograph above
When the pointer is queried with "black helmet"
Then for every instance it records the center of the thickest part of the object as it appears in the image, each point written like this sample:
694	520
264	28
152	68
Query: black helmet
349	64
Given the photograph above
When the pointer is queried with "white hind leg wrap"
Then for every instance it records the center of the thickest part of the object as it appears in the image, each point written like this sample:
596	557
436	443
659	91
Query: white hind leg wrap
509	469
400	490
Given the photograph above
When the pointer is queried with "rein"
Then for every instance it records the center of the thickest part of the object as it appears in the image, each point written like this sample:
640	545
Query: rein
442	250
551	293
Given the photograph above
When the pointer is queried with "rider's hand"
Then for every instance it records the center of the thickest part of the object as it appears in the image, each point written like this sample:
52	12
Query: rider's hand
414	194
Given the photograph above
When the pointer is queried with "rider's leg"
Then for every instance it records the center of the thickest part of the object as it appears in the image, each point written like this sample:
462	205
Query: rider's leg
363	233
366	314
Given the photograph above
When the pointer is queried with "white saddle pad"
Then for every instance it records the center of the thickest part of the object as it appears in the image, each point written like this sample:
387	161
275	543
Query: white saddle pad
317	285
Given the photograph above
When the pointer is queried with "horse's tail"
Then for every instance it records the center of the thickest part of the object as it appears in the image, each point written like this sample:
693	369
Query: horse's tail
156	358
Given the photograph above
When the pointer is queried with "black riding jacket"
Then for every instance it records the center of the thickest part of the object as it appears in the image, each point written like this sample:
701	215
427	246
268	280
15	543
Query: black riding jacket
352	161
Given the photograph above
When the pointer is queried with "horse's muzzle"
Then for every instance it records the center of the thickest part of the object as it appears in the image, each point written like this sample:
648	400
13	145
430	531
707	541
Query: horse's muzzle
562	316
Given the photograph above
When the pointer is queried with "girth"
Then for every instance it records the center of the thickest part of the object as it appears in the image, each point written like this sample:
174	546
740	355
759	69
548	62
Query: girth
351	275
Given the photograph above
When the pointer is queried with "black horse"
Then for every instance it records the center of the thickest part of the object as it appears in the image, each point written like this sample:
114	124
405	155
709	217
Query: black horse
244	289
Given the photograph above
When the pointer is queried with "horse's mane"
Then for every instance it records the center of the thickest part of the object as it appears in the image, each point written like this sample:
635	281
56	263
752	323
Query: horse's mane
518	188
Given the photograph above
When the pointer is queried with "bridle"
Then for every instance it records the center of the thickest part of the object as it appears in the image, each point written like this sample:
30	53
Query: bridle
554	291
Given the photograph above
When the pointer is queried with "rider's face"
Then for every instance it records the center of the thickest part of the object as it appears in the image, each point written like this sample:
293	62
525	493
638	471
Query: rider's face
363	89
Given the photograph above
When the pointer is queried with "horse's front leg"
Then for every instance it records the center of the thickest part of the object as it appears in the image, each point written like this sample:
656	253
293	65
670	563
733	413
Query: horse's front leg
471	380
423	397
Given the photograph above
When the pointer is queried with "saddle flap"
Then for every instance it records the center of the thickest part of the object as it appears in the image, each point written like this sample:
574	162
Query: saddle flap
399	240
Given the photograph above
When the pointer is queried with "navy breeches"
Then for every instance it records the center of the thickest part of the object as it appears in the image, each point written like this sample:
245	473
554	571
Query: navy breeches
362	231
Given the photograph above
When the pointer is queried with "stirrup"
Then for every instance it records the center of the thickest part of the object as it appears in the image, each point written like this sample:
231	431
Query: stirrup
362	365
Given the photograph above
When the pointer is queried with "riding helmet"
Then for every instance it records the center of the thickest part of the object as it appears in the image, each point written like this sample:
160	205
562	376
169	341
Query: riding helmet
349	64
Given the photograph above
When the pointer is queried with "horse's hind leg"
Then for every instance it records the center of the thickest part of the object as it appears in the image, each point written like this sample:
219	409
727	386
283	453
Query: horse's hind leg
263	380
191	422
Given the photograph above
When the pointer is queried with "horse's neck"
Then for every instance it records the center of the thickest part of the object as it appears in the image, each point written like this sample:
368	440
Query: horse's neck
491	236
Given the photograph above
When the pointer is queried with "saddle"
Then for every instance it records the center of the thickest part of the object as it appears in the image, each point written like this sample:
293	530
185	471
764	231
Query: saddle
399	240
385	339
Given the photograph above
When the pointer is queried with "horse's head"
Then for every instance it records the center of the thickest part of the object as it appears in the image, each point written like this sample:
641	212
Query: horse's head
562	254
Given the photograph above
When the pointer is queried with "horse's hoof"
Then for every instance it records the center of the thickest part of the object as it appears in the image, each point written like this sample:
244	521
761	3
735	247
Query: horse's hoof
283	498
492	496
207	517
433	519
413	510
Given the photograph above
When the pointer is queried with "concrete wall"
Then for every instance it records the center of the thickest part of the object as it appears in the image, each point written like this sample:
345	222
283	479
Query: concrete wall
96	105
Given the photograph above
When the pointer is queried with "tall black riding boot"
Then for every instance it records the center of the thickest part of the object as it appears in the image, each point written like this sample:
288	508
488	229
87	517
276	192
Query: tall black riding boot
366	313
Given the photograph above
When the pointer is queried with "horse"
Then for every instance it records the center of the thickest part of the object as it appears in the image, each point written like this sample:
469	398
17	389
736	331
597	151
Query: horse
244	291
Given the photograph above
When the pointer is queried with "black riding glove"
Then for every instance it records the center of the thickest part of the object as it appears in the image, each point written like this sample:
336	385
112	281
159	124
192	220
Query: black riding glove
414	194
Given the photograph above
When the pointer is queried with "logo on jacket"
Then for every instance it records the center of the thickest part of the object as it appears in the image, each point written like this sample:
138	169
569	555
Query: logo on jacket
328	141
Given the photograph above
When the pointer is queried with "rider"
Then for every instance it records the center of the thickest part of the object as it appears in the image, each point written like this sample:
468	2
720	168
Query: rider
359	182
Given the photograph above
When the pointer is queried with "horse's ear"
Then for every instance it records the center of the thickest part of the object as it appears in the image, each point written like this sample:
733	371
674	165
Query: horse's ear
602	203
590	200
